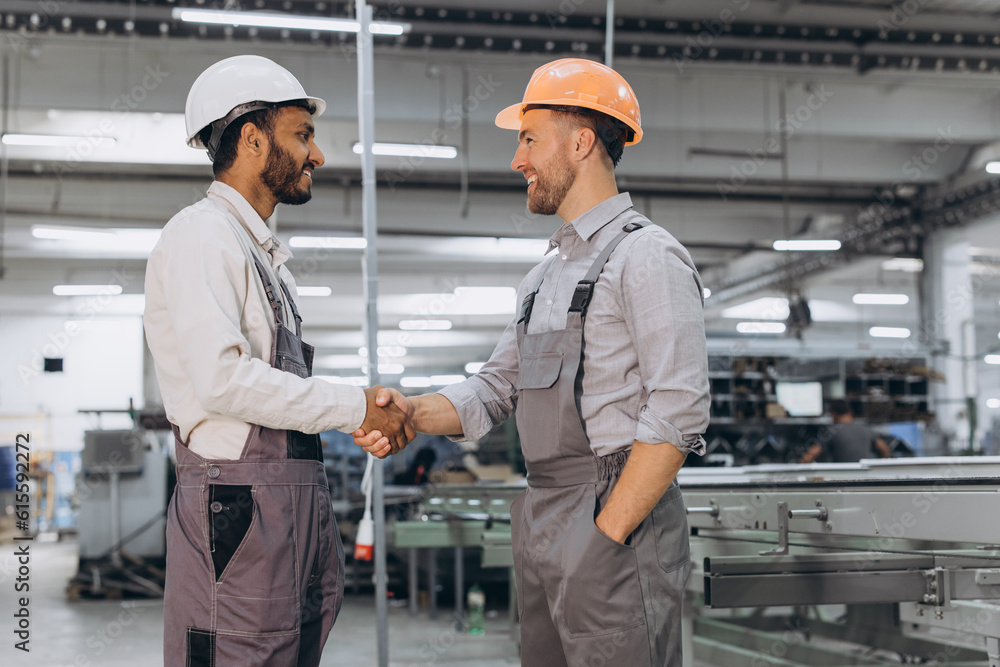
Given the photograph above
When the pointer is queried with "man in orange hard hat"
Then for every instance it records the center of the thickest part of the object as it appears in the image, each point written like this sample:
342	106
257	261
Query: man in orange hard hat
607	371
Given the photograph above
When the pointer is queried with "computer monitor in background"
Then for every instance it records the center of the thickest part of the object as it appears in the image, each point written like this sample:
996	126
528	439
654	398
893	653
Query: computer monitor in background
801	399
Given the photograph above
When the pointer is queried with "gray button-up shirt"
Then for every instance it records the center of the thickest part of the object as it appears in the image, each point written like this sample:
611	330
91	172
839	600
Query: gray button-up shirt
645	365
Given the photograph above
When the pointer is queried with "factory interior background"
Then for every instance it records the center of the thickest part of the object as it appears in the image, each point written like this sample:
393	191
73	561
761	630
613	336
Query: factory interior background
829	164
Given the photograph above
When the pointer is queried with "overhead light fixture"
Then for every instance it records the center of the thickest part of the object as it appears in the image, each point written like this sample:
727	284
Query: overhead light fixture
760	327
889	332
87	290
993	167
332	242
92	325
807	245
474	366
908	264
993	403
314	290
425	325
392	351
354	380
764	308
415	382
881	299
71	233
410	150
992	359
391	369
444	380
56	140
265	20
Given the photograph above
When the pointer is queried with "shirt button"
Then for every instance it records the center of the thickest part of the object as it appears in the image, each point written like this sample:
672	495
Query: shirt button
214	472
565	257
216	507
548	302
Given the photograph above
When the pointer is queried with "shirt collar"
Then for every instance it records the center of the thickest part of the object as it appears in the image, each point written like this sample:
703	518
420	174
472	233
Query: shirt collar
252	221
593	220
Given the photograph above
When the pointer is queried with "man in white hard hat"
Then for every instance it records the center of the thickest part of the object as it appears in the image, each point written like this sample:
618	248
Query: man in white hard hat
606	370
255	564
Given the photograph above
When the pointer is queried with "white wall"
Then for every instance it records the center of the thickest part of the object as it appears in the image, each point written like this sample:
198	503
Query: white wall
102	370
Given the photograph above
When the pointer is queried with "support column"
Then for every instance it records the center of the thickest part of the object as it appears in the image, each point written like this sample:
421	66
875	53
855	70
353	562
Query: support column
948	331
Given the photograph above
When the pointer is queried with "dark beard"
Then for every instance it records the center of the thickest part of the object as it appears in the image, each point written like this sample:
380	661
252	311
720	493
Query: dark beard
282	175
550	192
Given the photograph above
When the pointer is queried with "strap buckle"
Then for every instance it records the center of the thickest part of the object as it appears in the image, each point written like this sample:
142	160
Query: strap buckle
631	227
582	295
526	306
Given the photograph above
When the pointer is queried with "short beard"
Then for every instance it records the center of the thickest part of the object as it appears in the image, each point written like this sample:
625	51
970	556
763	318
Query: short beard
281	175
550	192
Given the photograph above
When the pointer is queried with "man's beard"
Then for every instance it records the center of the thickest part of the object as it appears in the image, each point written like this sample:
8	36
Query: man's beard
282	175
551	190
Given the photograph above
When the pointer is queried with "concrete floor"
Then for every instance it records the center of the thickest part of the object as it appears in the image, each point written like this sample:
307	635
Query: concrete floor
120	634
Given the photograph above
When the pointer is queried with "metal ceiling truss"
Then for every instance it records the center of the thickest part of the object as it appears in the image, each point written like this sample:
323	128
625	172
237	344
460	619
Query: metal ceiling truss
876	230
724	38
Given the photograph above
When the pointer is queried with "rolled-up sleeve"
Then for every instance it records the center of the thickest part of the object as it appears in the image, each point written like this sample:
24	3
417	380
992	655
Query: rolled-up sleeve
664	310
488	398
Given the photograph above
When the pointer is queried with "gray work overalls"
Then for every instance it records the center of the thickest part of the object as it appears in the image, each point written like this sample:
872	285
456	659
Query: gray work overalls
255	565
585	599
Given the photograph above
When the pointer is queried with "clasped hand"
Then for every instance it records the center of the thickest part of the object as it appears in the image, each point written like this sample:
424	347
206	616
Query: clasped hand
388	425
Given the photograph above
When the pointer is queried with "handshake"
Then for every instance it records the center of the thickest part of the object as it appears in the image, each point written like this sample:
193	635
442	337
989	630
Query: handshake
388	425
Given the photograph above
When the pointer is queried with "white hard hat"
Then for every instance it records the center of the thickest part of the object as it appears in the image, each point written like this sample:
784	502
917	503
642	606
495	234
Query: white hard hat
236	86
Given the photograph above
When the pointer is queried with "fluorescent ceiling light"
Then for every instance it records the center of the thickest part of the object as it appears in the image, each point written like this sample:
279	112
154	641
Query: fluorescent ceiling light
766	308
267	20
993	403
802	245
908	264
92	325
993	359
889	332
314	290
391	369
354	380
87	290
706	292
425	325
881	299
414	381
71	233
385	351
56	140
474	366
760	327
993	167
109	240
409	150
443	380
338	361
335	242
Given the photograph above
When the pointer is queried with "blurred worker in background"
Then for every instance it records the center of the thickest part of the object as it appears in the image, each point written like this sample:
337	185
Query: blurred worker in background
846	441
255	565
606	369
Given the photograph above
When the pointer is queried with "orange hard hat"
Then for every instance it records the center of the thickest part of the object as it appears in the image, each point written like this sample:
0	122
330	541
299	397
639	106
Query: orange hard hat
580	83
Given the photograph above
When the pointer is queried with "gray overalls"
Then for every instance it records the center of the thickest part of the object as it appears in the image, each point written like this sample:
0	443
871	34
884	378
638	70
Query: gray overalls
586	600
255	565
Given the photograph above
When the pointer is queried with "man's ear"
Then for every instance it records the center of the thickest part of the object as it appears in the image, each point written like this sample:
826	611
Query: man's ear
253	140
584	142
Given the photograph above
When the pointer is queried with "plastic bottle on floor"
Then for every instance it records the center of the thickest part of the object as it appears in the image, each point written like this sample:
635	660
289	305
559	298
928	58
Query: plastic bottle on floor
476	602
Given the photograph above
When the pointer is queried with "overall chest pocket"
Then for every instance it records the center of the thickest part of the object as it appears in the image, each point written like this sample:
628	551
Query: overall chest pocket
538	406
539	371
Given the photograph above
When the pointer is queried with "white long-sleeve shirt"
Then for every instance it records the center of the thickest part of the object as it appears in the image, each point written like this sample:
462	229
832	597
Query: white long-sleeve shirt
209	327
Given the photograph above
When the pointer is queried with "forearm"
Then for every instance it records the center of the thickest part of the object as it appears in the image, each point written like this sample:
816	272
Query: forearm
812	454
435	414
650	470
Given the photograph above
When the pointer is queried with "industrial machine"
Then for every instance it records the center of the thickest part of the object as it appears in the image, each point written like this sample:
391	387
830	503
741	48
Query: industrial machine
890	560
